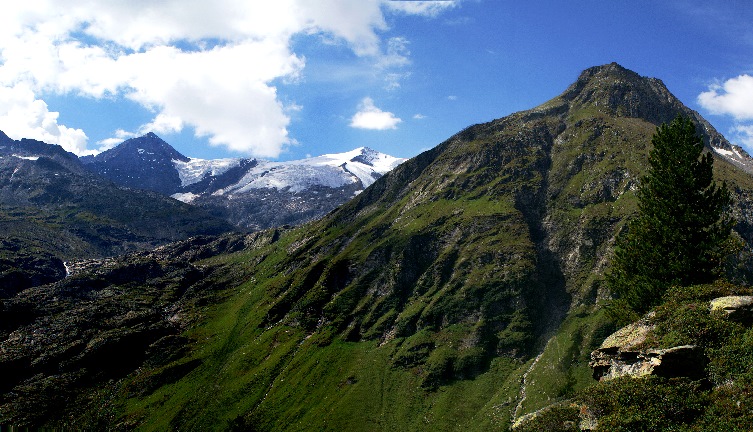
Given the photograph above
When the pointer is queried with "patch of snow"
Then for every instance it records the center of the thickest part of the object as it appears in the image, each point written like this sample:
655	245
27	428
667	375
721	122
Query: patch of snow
196	170
31	158
723	152
187	197
141	151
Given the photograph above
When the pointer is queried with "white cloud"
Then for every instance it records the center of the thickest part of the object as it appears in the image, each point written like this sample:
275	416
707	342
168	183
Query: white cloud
120	136
163	124
734	97
212	66
419	116
371	117
744	135
24	116
430	8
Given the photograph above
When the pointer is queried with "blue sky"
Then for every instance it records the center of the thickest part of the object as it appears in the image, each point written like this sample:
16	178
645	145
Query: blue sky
291	78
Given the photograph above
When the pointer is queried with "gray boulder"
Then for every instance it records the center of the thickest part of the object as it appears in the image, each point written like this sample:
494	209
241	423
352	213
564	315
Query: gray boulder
737	308
622	354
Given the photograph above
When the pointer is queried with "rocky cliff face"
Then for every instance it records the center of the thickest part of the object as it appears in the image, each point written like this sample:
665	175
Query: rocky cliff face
472	272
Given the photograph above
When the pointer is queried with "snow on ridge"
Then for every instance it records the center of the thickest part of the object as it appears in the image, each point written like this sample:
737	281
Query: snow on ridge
187	197
295	177
195	170
724	152
329	170
31	158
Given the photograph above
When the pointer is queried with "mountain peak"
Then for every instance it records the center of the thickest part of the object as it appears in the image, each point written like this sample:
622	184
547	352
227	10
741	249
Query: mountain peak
615	90
149	144
144	162
610	69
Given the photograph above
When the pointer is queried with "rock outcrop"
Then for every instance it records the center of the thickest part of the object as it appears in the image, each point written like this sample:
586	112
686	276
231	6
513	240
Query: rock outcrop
737	308
623	354
680	361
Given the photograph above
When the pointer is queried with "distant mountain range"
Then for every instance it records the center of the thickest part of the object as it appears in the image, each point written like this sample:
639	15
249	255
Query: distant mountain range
53	210
55	207
250	193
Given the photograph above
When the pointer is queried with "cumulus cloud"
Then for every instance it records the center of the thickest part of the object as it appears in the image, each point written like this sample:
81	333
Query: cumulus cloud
213	66
120	136
734	97
371	117
744	135
22	115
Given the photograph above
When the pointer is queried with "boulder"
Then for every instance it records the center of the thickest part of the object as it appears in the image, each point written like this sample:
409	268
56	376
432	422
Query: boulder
737	308
622	354
680	361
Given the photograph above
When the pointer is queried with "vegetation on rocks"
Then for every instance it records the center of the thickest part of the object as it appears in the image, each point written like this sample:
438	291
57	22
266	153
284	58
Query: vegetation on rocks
722	400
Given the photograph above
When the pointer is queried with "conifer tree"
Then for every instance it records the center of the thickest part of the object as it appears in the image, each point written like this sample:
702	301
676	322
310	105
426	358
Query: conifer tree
681	234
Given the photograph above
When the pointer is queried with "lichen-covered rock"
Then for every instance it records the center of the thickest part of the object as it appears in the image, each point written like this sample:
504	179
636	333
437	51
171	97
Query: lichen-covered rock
681	361
630	336
622	354
737	308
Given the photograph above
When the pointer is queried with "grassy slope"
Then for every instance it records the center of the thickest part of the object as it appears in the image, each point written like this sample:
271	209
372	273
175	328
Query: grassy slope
404	331
292	382
563	368
722	402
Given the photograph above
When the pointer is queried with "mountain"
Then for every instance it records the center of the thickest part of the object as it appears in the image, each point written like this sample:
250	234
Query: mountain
53	210
262	194
143	163
460	291
250	193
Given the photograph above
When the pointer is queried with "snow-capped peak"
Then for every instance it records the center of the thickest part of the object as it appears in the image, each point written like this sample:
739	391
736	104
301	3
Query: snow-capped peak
736	155
330	170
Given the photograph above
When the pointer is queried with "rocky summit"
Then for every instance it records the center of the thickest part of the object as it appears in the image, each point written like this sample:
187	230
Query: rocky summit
143	163
461	290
